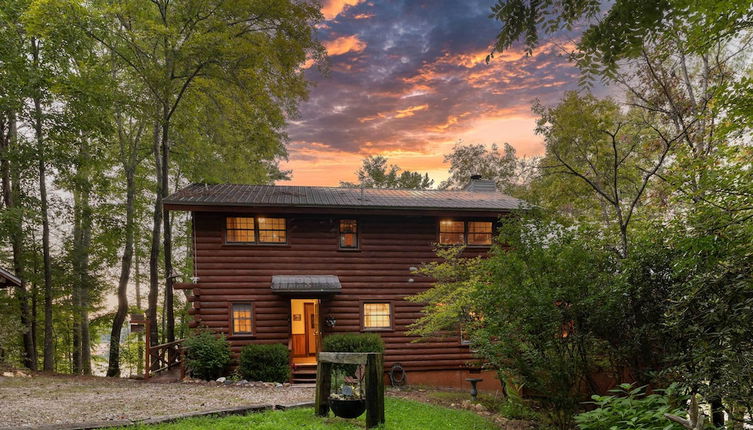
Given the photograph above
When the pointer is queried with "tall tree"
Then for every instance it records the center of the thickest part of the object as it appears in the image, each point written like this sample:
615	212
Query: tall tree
253	46
467	160
13	45
375	173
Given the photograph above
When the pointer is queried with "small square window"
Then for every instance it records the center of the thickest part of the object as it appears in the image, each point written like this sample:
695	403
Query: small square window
479	233
272	230
348	233
242	318
451	232
377	316
240	230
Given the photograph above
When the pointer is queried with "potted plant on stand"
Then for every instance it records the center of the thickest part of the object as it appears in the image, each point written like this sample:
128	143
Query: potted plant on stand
348	400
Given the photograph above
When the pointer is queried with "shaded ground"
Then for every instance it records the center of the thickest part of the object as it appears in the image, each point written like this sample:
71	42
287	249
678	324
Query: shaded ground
41	399
492	407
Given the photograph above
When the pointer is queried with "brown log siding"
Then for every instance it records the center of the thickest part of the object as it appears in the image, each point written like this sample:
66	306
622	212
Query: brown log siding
378	270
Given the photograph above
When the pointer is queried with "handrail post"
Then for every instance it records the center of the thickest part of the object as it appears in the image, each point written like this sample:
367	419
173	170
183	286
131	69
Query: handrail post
147	348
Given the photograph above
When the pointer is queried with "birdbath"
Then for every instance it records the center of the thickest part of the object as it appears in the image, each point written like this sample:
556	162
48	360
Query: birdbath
474	391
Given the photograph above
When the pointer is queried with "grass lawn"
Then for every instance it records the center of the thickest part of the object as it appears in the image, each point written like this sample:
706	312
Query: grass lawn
400	415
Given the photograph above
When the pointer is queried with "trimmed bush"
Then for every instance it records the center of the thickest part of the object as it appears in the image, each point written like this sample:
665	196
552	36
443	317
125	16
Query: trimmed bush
267	363
207	355
353	342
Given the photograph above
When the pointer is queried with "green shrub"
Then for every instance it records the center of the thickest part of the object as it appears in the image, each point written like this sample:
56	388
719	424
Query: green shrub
631	408
353	342
207	355
268	363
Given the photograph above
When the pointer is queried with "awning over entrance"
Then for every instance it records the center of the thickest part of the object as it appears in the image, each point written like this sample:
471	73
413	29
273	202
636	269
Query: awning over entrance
306	284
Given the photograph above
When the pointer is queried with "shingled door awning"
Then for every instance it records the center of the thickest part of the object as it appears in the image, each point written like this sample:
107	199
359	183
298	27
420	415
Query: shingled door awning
306	284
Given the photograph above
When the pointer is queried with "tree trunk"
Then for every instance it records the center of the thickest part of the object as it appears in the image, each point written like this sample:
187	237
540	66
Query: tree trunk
49	354
11	190
155	247
84	277
113	368
140	358
76	363
167	245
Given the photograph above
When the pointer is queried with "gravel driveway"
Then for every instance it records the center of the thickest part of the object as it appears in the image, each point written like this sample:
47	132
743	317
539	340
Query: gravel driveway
45	400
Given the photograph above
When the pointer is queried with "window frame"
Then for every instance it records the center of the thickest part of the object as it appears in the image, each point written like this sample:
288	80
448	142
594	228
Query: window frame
357	234
225	230
231	319
468	233
391	305
257	241
465	222
258	230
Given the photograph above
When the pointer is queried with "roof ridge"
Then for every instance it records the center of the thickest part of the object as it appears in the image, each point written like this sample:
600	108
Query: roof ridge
351	188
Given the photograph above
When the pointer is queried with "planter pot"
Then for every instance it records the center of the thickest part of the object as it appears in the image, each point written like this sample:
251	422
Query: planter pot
347	408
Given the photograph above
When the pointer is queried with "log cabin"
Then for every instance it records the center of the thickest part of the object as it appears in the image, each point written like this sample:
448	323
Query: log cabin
290	264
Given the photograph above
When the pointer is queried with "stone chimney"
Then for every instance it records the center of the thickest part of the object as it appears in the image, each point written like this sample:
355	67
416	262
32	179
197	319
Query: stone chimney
479	185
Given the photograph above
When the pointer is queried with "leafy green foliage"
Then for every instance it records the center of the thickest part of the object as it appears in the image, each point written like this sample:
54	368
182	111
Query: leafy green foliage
353	342
376	174
207	355
621	31
265	362
631	408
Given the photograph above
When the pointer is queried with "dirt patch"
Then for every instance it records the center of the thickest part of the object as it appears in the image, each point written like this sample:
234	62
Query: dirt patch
456	399
43	399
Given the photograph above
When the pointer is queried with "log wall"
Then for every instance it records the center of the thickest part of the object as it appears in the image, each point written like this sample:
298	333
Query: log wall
379	270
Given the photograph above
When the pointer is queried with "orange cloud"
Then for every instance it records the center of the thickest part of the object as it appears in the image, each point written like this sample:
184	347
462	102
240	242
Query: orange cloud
363	16
343	45
332	8
404	113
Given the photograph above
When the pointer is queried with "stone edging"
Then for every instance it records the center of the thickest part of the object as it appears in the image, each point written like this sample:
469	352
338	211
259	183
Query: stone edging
240	410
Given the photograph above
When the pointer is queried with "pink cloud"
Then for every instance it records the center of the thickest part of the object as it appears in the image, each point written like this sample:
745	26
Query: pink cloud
332	8
343	45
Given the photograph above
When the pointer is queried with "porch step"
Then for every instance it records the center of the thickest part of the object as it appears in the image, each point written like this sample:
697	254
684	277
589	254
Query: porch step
303	374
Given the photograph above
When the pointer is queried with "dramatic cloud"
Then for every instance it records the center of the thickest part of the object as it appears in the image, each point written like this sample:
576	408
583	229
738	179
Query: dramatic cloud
332	8
408	79
343	45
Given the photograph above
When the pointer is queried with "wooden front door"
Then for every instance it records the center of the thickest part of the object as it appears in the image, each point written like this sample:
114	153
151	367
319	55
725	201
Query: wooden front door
311	318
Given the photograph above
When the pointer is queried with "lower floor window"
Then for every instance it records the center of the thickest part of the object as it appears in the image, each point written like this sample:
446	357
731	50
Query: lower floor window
377	316
242	318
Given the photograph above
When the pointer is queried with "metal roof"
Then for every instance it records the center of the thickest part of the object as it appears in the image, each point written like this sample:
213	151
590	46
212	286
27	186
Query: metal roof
8	279
333	197
291	284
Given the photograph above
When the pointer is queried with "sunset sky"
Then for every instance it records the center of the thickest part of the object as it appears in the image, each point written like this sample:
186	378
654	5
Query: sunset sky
408	79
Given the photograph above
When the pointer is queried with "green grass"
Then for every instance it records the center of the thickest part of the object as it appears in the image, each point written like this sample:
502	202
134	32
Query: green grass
400	415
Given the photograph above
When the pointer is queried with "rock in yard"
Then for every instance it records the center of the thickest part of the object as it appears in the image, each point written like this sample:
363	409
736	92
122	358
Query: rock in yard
221	379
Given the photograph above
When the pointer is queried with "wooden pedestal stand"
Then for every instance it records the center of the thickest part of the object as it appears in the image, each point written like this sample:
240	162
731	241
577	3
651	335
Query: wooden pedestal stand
374	363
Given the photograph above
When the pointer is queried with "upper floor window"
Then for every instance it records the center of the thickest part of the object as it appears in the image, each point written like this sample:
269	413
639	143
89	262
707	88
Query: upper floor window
255	230
272	230
240	230
242	318
478	233
451	232
348	233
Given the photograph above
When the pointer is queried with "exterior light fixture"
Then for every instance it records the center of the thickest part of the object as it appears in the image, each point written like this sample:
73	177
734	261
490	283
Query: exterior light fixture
330	321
